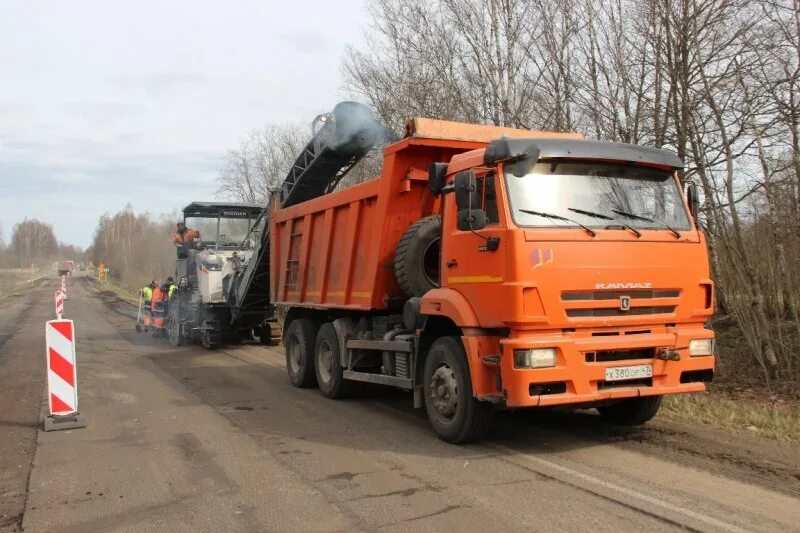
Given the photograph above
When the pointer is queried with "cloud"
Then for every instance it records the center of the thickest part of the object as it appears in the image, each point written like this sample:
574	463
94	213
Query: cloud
102	112
307	42
109	104
71	197
160	83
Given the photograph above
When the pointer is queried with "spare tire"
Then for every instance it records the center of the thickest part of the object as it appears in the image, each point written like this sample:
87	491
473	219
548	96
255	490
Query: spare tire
418	256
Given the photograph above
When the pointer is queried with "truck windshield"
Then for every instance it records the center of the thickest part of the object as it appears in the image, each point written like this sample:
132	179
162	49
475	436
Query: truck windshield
231	230
566	188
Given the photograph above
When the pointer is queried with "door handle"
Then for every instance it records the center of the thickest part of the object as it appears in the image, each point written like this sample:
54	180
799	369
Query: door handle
451	263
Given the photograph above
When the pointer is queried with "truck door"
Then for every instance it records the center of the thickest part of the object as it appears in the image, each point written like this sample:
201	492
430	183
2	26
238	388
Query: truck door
473	260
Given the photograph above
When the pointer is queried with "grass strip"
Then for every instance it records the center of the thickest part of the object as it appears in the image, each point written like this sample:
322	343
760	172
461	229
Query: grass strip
775	420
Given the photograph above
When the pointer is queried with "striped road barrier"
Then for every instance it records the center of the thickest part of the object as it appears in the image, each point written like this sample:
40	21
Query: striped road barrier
62	377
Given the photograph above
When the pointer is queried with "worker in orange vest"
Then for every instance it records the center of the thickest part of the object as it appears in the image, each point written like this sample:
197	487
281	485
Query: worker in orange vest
184	239
159	311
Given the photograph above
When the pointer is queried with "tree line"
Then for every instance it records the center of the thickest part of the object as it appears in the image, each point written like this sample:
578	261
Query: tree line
715	81
34	242
135	247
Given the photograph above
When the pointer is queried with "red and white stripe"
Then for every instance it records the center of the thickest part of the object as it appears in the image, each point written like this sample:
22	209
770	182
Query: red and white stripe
64	285
59	304
62	383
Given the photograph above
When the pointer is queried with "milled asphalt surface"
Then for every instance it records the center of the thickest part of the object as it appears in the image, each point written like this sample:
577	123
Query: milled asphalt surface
183	439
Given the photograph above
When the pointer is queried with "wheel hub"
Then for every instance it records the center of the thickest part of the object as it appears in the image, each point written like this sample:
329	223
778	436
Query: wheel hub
444	392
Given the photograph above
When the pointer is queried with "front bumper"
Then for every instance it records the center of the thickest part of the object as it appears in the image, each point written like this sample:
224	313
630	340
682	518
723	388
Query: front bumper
575	380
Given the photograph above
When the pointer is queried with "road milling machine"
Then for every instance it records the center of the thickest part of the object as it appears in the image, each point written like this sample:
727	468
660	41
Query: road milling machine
200	310
223	280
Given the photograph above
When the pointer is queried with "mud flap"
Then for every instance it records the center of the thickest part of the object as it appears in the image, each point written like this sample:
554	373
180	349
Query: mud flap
345	329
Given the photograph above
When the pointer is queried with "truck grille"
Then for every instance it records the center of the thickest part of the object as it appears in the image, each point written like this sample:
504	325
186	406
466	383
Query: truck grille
608	302
637	294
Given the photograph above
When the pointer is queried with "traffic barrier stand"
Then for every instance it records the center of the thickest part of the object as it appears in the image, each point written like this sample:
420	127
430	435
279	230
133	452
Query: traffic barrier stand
64	285
62	377
59	304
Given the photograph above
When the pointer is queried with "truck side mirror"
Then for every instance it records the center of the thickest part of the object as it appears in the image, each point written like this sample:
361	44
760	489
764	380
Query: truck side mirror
519	155
437	177
468	201
471	219
466	190
692	199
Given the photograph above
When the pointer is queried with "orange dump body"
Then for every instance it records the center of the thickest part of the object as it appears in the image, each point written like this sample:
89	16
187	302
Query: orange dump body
337	250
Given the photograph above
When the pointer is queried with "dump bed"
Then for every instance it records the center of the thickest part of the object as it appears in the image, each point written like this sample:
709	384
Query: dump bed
338	250
64	267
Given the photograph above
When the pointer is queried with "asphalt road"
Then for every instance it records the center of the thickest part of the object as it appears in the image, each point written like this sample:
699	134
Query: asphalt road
182	439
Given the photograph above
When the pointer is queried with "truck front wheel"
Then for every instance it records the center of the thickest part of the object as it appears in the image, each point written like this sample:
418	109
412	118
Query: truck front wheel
632	411
453	411
299	345
327	363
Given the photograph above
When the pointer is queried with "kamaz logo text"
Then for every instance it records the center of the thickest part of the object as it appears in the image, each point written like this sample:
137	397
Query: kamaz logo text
645	285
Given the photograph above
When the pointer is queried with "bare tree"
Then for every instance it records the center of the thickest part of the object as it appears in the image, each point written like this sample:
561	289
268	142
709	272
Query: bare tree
260	163
135	247
33	241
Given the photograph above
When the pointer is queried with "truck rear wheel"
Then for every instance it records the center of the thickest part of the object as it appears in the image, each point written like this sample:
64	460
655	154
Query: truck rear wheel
418	256
455	414
632	411
299	344
327	364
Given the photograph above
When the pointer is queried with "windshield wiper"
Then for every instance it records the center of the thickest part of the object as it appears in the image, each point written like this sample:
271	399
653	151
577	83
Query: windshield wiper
601	216
558	217
647	219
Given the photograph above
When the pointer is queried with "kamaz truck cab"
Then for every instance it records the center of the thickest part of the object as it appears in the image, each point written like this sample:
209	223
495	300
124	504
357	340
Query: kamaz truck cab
579	271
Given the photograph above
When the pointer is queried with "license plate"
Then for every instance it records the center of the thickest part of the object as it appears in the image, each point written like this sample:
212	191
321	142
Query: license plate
621	373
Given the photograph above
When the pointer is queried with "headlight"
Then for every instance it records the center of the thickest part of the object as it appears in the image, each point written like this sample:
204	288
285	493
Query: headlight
699	347
535	358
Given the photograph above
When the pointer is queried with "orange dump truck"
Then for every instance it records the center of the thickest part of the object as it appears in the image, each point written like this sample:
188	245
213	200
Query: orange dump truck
65	267
491	268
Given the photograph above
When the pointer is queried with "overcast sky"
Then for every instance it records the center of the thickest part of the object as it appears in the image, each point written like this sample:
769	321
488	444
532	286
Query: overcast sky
106	103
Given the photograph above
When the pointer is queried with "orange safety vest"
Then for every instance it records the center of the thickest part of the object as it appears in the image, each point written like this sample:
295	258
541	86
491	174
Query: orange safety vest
158	295
187	236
